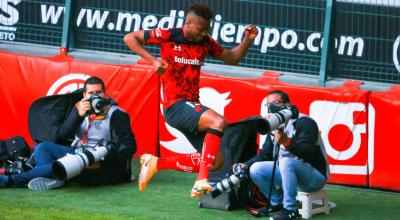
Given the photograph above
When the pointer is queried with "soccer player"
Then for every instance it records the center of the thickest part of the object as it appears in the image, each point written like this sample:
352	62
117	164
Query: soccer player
183	51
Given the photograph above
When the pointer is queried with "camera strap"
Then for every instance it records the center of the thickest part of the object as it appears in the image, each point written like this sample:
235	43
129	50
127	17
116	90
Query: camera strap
89	119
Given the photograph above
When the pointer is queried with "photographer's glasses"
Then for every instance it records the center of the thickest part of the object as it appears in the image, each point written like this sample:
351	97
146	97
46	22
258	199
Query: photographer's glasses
275	102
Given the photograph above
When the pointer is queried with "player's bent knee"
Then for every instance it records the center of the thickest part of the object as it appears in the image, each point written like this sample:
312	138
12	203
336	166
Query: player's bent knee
220	124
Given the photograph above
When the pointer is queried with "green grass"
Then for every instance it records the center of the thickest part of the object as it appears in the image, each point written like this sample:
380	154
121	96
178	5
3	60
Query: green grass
167	197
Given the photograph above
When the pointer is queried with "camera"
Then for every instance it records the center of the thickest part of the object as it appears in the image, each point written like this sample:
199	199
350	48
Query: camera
72	164
97	103
20	165
273	121
239	175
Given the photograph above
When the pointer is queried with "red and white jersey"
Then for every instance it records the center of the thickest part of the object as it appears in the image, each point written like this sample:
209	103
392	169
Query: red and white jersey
184	58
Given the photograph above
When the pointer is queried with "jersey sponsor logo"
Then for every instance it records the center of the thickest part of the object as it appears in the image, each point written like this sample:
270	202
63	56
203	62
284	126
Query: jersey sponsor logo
183	60
178	48
156	33
208	97
195	157
67	84
183	167
209	156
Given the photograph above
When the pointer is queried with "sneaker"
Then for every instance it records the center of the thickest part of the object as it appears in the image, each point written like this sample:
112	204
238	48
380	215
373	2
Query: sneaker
200	187
149	168
275	208
44	184
260	212
285	214
4	181
264	211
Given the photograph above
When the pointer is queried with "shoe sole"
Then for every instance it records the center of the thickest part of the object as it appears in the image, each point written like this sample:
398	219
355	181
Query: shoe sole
144	160
199	191
44	184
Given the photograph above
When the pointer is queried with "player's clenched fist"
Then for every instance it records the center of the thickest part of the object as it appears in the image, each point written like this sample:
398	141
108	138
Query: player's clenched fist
251	32
160	66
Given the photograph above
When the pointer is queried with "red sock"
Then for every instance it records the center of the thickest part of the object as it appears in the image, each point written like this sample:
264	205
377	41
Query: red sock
185	163
211	143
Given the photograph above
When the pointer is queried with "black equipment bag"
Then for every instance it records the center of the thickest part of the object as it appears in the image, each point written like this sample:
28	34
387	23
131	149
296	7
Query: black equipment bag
47	114
238	144
251	198
14	147
225	201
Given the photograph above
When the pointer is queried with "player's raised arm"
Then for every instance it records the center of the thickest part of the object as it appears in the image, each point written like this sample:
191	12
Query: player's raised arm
233	56
135	41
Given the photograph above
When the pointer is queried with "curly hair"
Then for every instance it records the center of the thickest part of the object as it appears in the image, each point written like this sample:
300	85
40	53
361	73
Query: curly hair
201	10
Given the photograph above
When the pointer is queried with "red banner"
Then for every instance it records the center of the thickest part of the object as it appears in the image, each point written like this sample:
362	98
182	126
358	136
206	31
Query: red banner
358	127
385	106
25	79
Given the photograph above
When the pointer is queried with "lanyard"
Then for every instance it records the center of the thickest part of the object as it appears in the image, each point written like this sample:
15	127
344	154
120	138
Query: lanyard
89	121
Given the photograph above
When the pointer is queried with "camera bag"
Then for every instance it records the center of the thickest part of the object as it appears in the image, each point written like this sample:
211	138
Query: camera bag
14	147
226	201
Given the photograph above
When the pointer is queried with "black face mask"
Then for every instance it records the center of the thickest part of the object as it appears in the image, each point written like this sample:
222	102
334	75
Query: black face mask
274	108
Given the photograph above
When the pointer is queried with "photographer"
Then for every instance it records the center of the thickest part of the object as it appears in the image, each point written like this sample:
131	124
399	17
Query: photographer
93	120
301	164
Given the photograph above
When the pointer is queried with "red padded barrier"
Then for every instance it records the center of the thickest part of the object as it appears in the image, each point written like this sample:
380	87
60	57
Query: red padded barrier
386	106
25	79
352	121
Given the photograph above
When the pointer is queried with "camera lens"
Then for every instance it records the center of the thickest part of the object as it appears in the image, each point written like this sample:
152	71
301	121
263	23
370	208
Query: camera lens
97	103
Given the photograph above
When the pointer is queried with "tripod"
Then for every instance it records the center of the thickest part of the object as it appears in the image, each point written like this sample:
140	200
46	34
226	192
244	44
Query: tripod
275	157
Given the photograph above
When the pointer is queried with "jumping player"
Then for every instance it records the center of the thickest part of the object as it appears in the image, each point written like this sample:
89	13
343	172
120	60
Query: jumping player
183	51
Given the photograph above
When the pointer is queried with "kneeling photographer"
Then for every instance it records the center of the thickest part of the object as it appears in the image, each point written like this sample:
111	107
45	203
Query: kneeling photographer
300	161
102	141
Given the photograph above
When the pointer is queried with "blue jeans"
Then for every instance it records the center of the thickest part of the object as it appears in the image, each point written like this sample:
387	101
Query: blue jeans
290	176
45	154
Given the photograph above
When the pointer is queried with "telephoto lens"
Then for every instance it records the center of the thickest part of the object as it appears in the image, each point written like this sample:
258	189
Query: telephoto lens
273	121
229	182
72	164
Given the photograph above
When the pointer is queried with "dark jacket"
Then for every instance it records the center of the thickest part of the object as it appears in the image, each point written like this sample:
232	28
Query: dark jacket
55	119
304	144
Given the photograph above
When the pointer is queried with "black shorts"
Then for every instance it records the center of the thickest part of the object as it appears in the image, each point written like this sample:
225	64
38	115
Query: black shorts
184	116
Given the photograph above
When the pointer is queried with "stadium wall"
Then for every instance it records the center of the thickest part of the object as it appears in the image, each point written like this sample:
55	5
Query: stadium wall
359	127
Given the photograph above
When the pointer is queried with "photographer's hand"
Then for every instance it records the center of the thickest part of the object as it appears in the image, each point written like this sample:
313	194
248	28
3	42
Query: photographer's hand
281	138
234	167
83	107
